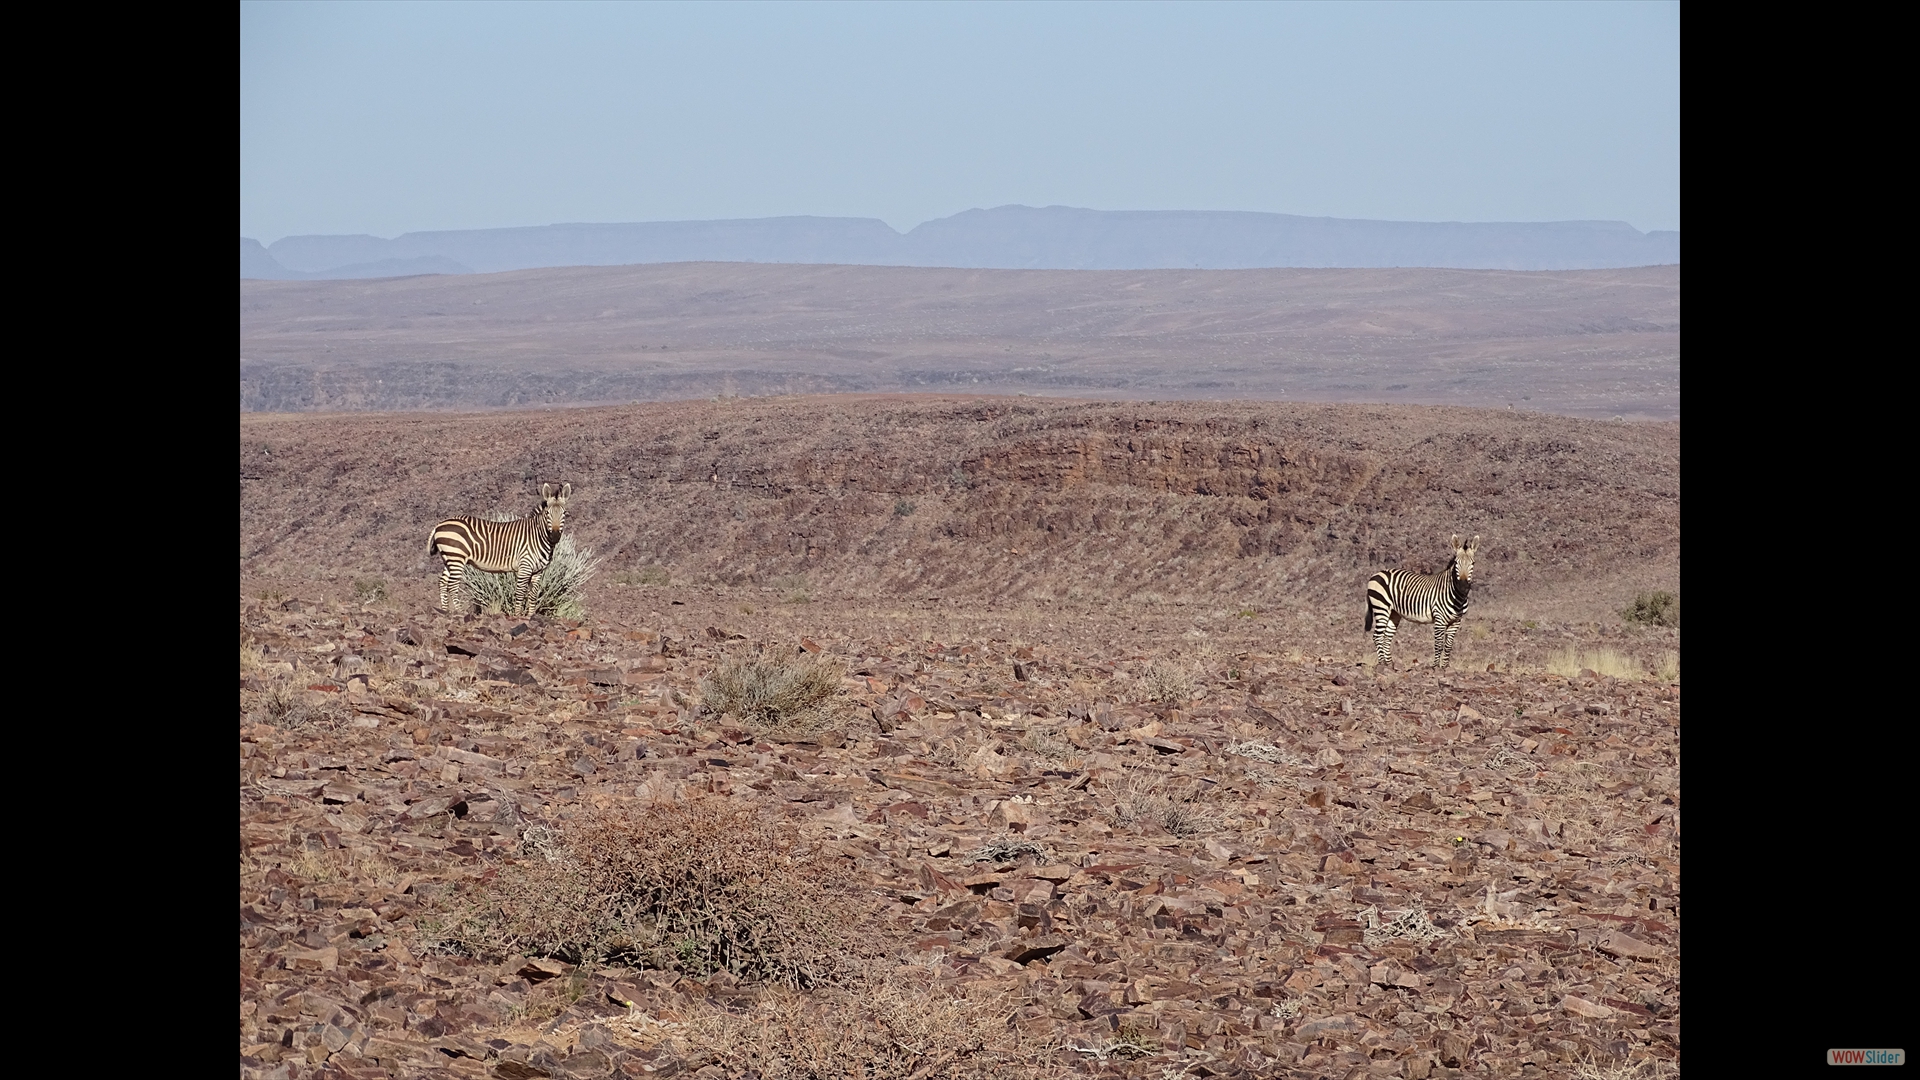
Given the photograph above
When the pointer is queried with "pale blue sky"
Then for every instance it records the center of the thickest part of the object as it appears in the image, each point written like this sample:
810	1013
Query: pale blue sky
387	118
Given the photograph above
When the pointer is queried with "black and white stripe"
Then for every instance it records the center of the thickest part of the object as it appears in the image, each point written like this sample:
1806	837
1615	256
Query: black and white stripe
1441	599
522	547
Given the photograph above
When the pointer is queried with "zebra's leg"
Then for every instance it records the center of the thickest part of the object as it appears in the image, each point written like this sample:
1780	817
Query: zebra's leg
450	581
523	591
1383	628
1443	643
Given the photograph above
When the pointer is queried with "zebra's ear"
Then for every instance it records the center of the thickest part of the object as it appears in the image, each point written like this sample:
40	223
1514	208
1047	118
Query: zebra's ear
1473	544
566	491
546	492
1456	541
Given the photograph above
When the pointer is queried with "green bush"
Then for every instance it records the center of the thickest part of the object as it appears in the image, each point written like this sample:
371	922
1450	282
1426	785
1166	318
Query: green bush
558	591
1654	609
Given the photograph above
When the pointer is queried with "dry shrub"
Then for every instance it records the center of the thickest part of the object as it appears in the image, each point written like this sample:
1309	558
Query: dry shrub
1151	800
559	591
1005	849
1412	925
784	696
697	887
1260	751
1166	684
880	1023
1658	608
1043	743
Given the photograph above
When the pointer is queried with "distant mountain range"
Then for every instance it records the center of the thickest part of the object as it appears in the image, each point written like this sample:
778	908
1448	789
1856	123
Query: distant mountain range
1008	237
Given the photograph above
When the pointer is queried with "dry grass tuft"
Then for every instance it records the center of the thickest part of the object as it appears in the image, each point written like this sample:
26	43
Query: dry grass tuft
1006	849
880	1023
1413	925
1668	669
1147	799
1043	743
1167	684
326	866
695	887
1571	662
1588	1069
1260	751
772	696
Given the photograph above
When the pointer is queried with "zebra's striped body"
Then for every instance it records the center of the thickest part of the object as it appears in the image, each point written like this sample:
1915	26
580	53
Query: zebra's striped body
1441	599
522	547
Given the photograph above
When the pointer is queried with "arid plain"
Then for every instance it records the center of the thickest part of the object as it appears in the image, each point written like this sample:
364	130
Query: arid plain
1108	782
1592	343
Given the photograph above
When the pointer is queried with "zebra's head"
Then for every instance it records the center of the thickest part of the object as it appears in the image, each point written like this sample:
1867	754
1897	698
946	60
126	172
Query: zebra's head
1463	558
553	504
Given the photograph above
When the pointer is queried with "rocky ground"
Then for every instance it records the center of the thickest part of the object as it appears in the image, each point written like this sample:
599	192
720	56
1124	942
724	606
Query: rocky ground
1094	510
1146	857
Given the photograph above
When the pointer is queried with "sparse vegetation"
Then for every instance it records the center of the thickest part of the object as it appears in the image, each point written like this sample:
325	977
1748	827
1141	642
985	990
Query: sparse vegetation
772	696
1654	609
1412	925
1569	663
1587	1068
697	887
1668	668
882	1022
1006	849
1044	744
369	590
559	591
903	508
1152	800
283	707
1260	751
1307	786
1167	684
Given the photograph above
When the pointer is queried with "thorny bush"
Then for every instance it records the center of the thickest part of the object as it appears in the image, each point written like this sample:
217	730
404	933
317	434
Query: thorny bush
695	887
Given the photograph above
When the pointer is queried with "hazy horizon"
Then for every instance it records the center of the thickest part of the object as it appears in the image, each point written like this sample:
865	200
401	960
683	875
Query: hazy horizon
908	229
382	120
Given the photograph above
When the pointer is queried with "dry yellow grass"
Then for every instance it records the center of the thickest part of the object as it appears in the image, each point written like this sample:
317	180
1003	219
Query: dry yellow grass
1571	662
880	1022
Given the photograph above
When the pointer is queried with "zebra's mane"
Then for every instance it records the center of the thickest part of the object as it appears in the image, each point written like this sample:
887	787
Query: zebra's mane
504	516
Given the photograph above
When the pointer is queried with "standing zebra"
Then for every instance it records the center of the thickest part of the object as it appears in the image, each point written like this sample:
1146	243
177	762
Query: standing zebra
522	547
1441	599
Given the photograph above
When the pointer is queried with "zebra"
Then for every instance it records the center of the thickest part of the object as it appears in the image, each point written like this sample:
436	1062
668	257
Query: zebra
1441	599
522	547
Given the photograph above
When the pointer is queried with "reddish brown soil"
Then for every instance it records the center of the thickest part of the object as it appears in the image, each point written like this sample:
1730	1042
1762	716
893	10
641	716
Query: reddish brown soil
1081	602
1199	515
